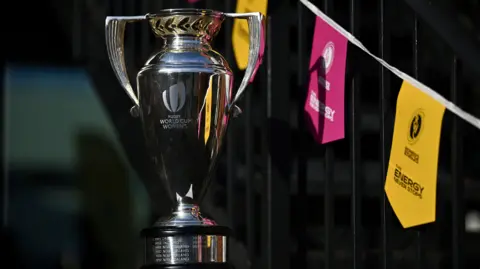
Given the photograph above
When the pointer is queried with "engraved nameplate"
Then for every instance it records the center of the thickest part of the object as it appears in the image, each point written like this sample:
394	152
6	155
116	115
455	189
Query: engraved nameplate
185	249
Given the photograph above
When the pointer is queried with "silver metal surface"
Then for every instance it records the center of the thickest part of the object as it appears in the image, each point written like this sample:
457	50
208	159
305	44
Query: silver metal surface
184	96
186	249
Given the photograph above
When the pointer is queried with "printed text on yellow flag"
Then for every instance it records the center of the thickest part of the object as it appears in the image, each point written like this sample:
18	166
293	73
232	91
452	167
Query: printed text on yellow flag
240	38
411	182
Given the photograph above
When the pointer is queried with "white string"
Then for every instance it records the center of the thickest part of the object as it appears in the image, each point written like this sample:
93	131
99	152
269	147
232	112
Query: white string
439	98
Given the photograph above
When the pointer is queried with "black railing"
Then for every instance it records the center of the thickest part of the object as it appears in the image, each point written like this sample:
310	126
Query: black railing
296	204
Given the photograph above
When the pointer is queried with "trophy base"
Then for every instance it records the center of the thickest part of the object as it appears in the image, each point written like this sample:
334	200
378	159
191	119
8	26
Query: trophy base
169	244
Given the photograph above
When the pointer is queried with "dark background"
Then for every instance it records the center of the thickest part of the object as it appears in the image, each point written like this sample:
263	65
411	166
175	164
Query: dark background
291	202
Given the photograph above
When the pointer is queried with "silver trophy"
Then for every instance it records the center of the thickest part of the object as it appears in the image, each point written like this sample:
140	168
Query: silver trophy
185	99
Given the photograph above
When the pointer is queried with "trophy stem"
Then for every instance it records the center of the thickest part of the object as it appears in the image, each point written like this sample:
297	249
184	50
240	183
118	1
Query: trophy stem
185	214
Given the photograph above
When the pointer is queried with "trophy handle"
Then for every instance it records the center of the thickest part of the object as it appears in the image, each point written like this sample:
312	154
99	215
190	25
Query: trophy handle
114	34
256	29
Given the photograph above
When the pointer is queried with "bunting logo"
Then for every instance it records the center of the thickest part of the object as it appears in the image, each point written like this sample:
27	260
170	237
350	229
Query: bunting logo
174	97
328	55
416	127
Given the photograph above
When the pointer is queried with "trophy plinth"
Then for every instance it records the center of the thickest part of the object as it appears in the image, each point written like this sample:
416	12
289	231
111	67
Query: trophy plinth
185	100
186	239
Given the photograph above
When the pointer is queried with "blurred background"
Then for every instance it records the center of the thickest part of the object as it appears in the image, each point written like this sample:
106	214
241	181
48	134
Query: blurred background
78	187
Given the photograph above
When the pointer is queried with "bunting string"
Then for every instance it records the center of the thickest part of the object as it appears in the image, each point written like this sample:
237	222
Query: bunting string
436	96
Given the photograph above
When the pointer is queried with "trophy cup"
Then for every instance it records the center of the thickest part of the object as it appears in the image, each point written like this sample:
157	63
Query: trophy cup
185	100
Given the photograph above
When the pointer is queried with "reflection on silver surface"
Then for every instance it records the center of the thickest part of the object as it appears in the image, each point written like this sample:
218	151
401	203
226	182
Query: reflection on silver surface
186	249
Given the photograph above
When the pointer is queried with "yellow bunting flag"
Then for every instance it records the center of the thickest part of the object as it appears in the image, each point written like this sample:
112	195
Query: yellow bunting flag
240	38
208	110
411	183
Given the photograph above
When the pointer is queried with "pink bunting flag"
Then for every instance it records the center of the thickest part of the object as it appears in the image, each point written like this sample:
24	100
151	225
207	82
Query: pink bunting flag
325	102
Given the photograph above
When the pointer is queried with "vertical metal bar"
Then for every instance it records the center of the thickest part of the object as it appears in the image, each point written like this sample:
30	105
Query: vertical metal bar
265	195
458	216
302	205
231	171
329	194
355	153
415	48
328	190
269	237
280	150
249	153
384	135
77	29
5	139
418	239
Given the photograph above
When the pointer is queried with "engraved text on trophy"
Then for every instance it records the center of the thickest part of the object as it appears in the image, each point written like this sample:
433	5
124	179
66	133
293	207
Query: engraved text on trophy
174	100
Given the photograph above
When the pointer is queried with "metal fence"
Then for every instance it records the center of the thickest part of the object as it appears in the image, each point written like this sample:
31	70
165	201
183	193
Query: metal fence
338	215
296	204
